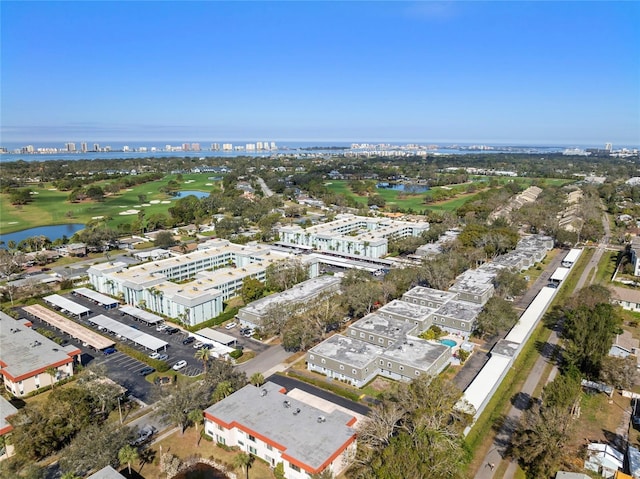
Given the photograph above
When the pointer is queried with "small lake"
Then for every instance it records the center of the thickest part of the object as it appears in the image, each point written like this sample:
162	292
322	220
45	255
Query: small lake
405	187
51	232
197	194
201	471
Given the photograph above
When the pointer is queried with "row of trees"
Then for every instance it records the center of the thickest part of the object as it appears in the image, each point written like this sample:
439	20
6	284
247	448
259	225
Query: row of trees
589	324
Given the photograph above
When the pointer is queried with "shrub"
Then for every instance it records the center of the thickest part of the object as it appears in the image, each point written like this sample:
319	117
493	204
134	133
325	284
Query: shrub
235	354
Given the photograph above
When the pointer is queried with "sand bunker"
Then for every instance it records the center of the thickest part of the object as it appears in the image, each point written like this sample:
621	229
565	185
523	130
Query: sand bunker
129	212
154	202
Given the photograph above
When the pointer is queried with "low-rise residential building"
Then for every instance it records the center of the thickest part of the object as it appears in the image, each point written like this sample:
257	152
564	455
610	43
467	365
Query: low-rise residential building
106	472
457	317
345	359
26	357
405	311
190	287
353	235
267	423
296	297
377	329
628	298
432	298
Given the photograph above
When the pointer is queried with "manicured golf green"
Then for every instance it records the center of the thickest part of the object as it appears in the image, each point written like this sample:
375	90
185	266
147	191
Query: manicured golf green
51	207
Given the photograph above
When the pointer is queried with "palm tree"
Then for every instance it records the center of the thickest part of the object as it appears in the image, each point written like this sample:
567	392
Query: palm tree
203	354
243	461
257	379
53	372
195	417
223	389
128	454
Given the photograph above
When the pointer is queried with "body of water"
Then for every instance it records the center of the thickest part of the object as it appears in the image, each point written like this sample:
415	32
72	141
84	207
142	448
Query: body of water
201	471
407	188
197	194
52	232
448	342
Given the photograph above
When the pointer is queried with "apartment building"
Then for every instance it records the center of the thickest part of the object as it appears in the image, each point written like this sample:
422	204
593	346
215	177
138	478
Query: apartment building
189	287
267	423
353	235
26	357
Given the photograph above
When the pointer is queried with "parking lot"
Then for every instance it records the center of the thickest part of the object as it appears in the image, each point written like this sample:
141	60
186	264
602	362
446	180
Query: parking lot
125	370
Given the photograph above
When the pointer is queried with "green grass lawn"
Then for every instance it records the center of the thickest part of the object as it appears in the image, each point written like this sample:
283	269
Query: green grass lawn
51	207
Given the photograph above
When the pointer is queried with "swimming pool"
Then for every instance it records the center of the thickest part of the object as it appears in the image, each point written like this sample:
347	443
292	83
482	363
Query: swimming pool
448	342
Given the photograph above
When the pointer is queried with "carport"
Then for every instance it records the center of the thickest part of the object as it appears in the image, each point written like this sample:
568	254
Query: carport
98	298
141	315
73	329
122	330
66	305
217	336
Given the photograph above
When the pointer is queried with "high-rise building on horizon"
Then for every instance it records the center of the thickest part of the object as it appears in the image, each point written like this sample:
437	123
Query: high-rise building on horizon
608	146
96	147
195	146
83	147
70	147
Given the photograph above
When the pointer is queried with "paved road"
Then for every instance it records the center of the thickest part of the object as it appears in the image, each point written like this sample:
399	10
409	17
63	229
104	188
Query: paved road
268	362
290	383
521	401
265	189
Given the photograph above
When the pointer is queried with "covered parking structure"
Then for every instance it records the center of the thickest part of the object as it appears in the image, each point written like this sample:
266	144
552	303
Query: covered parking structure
122	330
98	298
73	329
67	306
141	315
217	336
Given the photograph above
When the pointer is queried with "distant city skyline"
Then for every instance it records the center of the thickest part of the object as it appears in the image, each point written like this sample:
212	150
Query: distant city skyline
516	73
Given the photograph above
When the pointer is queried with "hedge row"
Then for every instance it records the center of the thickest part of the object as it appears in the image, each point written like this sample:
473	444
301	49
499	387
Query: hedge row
160	366
218	320
323	384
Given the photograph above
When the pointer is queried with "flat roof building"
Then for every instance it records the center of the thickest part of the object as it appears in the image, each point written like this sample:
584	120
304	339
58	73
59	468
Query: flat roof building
299	295
353	235
190	287
26	355
267	423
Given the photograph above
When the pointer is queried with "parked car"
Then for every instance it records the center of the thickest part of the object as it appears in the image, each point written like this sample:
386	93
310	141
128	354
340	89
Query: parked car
231	325
146	371
188	340
179	365
163	357
197	344
171	330
109	351
248	333
155	355
207	346
161	327
144	435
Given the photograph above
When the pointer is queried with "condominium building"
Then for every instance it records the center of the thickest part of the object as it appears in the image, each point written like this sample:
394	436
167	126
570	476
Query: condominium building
297	297
189	287
354	235
266	422
26	357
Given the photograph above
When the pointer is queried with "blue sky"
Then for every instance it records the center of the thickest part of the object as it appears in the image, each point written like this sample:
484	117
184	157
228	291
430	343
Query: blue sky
562	73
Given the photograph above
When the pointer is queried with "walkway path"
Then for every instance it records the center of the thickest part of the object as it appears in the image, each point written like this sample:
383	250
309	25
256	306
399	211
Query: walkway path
522	399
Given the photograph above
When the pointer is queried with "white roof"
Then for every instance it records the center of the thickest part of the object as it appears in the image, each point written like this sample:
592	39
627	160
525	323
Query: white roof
572	255
66	304
217	336
560	274
520	332
143	339
95	296
487	379
146	316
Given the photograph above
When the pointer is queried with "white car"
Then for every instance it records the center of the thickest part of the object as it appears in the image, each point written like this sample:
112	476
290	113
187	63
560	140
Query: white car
197	344
230	325
179	365
155	355
161	327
